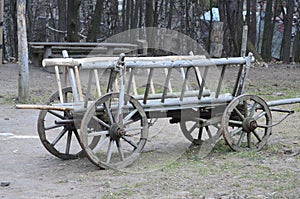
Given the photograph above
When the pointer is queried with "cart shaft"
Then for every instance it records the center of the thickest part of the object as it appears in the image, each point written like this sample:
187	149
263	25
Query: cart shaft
283	102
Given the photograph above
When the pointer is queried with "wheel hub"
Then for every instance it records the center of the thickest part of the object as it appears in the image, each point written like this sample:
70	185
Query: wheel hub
249	124
116	132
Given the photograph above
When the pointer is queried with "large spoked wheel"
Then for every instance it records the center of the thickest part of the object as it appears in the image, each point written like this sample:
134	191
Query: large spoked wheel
246	123
196	133
57	130
122	137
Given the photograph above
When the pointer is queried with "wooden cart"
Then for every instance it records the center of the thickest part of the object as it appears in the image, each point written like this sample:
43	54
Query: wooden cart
112	129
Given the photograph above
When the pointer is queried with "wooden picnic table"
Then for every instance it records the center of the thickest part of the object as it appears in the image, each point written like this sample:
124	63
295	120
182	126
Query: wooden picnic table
41	50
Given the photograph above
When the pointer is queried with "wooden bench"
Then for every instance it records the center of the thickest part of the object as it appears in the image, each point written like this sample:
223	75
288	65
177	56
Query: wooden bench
42	50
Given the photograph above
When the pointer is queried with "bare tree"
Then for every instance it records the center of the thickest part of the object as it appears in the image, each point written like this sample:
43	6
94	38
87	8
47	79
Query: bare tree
296	46
96	20
1	31
73	20
10	29
231	15
287	34
62	15
23	52
251	20
266	49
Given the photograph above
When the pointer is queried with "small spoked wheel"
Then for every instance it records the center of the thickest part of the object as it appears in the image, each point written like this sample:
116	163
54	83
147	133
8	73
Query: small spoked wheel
122	136
196	133
246	123
57	130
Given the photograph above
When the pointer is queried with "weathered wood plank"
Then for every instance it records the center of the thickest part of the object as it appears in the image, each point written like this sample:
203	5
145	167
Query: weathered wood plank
145	62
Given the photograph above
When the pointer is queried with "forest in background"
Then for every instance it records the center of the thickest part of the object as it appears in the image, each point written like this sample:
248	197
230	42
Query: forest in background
97	20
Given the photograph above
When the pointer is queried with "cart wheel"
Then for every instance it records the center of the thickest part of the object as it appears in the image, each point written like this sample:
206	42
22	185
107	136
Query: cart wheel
246	123
57	130
197	135
121	142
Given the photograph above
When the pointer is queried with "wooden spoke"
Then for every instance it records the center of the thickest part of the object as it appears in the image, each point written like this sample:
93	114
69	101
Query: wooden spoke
236	131
241	138
68	146
236	123
253	109
193	128
58	138
52	127
56	114
120	150
256	135
249	139
200	133
111	118
110	151
100	121
262	114
245	105
98	133
129	116
130	142
208	132
101	144
239	113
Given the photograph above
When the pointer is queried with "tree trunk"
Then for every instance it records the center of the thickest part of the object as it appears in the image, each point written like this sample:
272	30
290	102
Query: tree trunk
10	30
135	15
73	20
210	26
296	47
235	25
1	31
149	19
62	14
287	34
266	49
96	20
23	52
170	15
251	20
149	22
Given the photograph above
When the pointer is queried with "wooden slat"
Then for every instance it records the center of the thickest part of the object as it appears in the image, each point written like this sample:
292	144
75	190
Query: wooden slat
238	79
150	75
78	83
97	82
220	81
184	86
166	86
203	83
59	85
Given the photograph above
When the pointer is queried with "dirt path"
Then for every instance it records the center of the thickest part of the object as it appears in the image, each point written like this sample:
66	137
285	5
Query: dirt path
27	170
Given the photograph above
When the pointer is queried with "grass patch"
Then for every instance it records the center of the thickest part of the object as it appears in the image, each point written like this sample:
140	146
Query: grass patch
250	155
7	100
